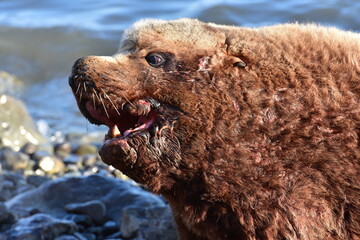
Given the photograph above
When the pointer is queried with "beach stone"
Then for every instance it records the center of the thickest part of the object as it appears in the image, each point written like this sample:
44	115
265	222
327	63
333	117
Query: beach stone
52	196
95	209
40	226
51	165
29	149
67	237
89	236
115	236
16	126
10	84
79	219
36	180
11	160
88	160
4	212
62	149
12	184
72	159
85	149
148	223
110	227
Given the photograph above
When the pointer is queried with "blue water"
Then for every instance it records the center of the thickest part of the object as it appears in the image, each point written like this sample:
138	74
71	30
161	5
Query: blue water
40	39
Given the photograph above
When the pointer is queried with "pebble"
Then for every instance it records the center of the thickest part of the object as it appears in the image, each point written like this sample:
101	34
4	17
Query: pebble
95	209
36	180
62	149
29	149
38	196
40	226
3	212
11	160
85	149
52	165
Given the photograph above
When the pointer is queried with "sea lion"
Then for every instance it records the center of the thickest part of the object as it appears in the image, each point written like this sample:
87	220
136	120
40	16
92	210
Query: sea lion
249	133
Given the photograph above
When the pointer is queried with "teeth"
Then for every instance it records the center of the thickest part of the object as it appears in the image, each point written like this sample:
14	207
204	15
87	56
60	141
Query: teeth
115	131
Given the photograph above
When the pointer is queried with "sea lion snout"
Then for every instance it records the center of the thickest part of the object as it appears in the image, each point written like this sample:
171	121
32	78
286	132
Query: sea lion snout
86	69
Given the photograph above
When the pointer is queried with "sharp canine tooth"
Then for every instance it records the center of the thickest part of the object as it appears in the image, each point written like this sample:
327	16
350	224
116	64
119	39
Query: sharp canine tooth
115	131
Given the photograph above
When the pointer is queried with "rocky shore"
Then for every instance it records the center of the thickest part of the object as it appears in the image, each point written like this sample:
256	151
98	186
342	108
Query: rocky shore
61	190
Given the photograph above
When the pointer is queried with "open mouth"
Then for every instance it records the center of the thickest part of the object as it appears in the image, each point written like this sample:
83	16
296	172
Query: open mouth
124	122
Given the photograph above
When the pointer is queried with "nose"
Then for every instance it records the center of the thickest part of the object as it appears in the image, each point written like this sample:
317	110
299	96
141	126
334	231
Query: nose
80	74
75	72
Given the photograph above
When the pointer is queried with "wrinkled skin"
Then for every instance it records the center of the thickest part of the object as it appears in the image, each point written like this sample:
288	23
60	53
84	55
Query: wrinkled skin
249	134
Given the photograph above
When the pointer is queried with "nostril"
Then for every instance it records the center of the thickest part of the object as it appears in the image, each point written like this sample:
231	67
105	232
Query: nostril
89	84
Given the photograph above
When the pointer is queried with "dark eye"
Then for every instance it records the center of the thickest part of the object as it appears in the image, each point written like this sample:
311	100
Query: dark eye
155	59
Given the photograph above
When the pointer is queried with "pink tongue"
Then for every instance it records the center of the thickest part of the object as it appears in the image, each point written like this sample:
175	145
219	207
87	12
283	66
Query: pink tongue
104	119
146	121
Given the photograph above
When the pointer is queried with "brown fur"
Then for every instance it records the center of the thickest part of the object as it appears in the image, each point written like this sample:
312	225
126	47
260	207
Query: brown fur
269	150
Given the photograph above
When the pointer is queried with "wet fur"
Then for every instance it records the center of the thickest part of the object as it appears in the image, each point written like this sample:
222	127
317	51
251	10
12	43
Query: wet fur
269	150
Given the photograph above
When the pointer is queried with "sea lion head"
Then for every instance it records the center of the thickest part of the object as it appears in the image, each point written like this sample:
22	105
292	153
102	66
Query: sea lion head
160	96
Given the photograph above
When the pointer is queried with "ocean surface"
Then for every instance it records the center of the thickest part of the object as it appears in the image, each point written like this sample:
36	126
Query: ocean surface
40	39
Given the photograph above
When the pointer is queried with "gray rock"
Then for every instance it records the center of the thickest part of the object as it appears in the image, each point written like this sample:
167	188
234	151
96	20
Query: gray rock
110	227
11	160
16	126
89	236
62	149
10	84
148	223
88	160
67	237
36	180
40	226
12	184
95	209
52	196
79	219
29	148
4	212
85	149
51	165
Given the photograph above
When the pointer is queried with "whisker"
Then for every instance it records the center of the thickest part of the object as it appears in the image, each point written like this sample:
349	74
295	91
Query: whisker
102	102
93	98
97	96
128	100
77	90
112	103
84	87
81	92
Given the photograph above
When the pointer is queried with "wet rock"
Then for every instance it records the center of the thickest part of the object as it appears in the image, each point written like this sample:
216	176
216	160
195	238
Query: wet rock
67	237
62	149
12	184
115	236
16	126
110	227
29	149
51	165
88	160
79	219
72	159
4	212
9	84
85	149
52	196
36	180
95	209
40	226
148	223
89	236
11	160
